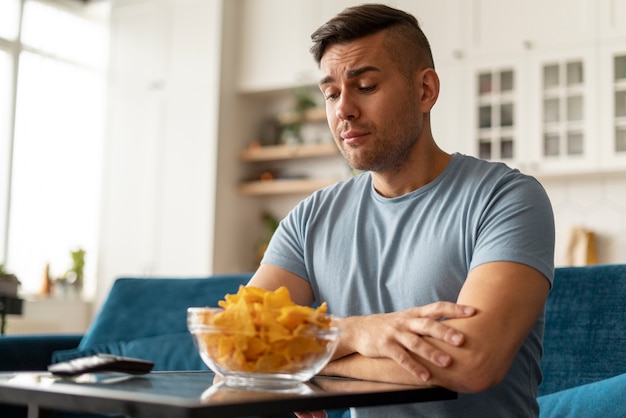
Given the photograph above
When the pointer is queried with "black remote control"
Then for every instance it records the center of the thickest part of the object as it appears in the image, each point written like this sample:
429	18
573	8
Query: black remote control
101	363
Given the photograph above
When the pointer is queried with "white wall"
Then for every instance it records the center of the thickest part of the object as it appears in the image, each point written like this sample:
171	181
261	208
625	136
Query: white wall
596	203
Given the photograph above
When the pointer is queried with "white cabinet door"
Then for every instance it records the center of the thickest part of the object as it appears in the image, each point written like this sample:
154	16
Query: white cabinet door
564	94
612	19
612	110
498	109
275	42
505	26
445	24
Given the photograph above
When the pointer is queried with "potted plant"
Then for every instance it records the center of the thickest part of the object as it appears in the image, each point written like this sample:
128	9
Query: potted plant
8	282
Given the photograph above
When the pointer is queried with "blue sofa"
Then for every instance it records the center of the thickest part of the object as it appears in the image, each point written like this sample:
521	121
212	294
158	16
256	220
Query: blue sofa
584	362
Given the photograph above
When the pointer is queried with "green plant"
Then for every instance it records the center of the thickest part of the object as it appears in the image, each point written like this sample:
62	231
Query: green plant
303	101
74	275
78	262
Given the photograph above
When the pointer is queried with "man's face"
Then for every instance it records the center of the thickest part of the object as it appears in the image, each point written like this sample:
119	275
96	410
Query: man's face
372	108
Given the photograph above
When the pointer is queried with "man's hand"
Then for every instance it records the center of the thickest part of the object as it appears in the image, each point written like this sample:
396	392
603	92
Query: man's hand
399	335
311	414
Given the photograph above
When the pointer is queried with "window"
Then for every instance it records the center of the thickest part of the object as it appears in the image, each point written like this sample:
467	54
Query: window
57	142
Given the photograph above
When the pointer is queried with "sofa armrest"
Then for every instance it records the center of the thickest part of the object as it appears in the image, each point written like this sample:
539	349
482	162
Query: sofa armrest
33	352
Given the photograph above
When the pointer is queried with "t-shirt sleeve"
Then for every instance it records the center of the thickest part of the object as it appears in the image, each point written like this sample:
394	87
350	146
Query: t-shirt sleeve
518	226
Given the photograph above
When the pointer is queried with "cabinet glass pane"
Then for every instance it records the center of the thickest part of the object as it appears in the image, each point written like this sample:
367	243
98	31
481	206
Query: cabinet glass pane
574	143
484	117
620	68
484	149
551	145
550	76
620	104
620	139
574	73
575	108
506	147
551	110
485	86
506	81
506	114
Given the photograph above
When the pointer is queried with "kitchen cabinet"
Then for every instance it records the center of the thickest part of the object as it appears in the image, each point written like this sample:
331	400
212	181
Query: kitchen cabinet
612	109
275	42
551	112
564	93
445	24
611	19
512	26
499	109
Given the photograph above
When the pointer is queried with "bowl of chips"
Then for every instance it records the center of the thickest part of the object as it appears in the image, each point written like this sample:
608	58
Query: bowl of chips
260	338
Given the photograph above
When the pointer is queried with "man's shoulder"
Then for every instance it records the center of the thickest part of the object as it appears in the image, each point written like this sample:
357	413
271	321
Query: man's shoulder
472	168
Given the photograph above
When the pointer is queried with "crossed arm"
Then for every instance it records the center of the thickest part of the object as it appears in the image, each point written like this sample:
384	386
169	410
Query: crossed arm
468	352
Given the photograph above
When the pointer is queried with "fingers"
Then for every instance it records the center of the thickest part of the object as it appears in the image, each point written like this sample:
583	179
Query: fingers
442	310
417	345
427	321
406	361
311	414
400	335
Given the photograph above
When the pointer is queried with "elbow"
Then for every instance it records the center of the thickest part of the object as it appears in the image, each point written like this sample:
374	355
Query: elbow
478	383
479	376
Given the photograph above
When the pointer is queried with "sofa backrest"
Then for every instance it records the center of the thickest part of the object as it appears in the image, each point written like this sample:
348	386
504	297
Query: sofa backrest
146	307
585	331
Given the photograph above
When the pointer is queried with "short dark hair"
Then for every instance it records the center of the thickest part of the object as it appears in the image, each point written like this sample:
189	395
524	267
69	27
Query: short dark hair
367	19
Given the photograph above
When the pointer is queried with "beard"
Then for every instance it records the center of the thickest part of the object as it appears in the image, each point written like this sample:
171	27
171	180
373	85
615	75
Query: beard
387	149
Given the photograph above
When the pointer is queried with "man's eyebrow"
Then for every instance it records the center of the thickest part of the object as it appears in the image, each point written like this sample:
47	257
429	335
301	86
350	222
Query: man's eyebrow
351	74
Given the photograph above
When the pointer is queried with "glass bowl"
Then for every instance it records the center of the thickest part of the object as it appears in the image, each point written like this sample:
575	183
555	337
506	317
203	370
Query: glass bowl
262	355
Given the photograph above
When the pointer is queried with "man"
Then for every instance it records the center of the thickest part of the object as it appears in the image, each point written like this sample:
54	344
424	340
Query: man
440	264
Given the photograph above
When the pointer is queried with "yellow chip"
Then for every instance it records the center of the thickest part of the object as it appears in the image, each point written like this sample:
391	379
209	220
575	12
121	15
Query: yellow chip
265	331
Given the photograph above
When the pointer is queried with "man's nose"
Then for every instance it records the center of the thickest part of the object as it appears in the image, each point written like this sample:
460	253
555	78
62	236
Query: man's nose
346	108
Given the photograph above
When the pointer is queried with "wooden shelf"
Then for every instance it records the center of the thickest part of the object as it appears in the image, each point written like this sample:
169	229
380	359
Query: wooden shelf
287	152
283	186
316	114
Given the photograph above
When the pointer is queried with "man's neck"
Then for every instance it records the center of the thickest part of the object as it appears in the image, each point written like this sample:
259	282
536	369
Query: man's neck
418	172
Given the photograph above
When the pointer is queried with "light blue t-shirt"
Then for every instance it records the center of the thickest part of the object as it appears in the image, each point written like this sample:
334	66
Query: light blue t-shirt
363	253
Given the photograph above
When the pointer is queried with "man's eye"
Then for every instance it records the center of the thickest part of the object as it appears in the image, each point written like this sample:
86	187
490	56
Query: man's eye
367	89
330	96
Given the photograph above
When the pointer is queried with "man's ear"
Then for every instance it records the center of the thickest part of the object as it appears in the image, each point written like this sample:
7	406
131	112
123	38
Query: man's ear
429	82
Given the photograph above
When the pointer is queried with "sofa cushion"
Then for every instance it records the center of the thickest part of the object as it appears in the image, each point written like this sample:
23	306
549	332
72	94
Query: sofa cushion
137	308
604	398
584	313
168	352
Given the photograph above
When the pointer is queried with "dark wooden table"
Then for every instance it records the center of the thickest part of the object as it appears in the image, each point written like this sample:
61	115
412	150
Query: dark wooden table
194	394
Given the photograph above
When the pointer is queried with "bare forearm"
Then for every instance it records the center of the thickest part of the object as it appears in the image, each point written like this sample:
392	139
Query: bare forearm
366	368
453	377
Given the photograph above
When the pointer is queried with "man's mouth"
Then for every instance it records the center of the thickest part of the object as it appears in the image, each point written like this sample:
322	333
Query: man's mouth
353	137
